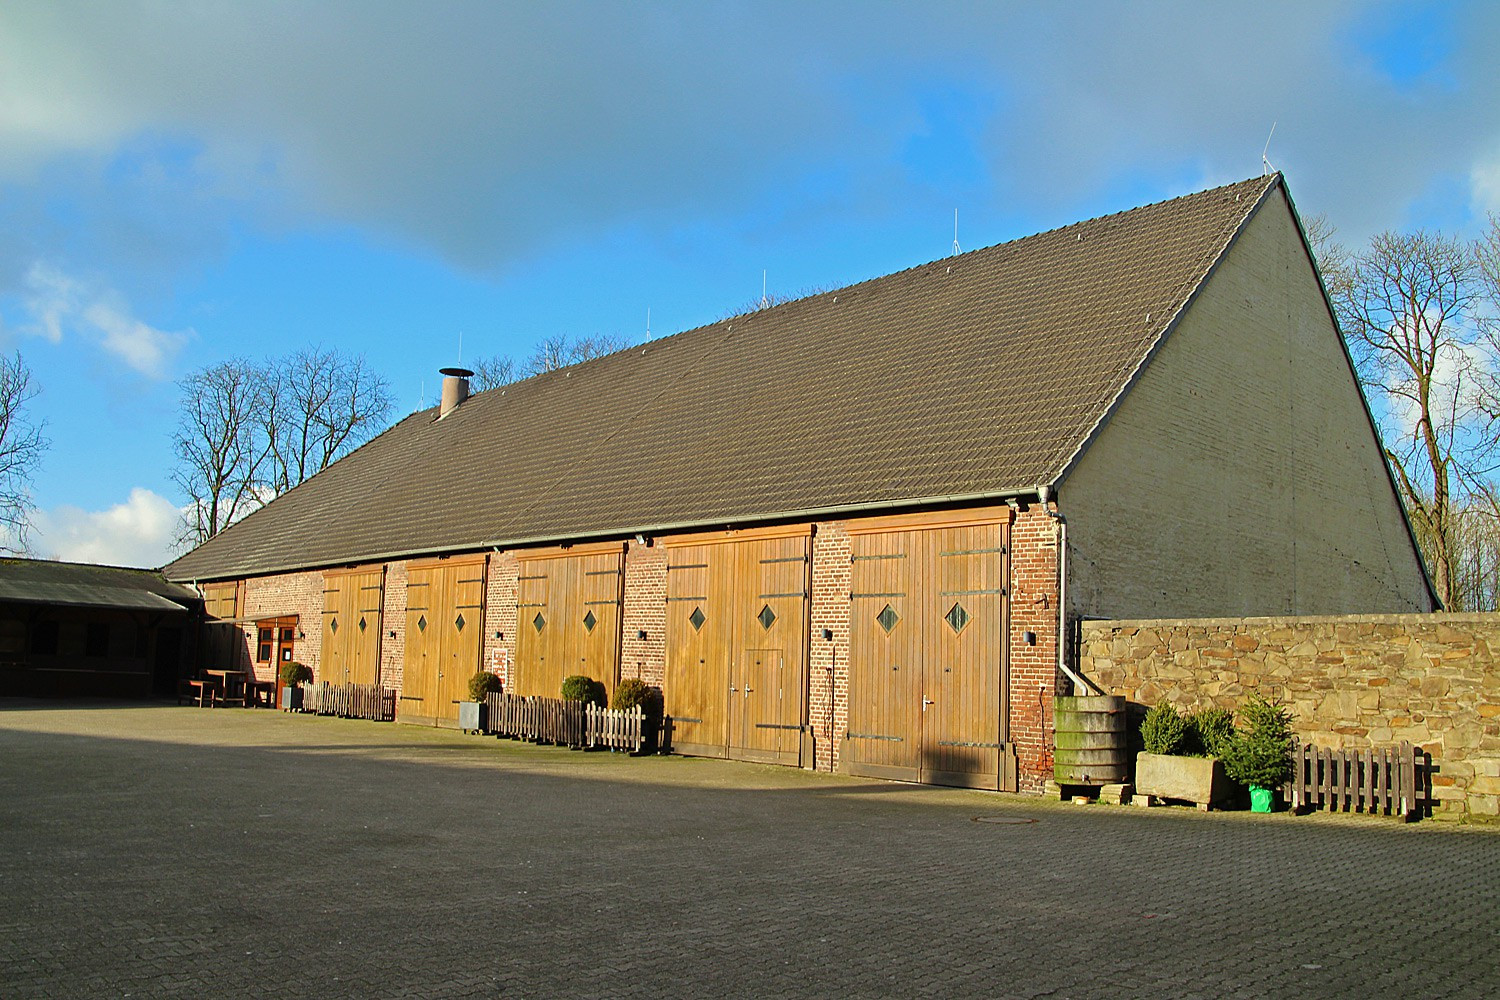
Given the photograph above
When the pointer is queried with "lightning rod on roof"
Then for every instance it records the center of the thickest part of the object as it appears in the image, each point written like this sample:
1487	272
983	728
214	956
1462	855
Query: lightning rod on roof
956	250
1265	165
648	322
460	347
763	300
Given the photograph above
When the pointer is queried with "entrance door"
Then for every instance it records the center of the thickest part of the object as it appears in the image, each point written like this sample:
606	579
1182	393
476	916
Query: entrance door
352	603
444	626
927	670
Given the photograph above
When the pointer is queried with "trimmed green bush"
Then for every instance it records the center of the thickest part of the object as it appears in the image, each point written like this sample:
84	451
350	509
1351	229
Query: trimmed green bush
1163	730
1209	732
294	673
581	688
1261	752
634	692
481	684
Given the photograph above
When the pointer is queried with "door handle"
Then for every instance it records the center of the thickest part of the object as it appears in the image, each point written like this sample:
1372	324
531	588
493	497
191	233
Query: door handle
926	702
732	689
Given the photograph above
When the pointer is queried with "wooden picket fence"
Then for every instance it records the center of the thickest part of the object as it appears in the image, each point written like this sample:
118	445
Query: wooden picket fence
350	701
1387	780
565	723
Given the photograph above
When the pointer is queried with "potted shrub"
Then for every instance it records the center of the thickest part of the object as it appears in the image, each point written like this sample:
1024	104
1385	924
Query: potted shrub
634	693
1168	770
586	689
293	675
472	714
1260	755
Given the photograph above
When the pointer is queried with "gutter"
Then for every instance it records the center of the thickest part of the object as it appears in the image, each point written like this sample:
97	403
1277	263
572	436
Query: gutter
1043	493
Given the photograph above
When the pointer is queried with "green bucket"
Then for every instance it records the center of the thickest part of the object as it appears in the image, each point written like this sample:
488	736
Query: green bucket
1262	799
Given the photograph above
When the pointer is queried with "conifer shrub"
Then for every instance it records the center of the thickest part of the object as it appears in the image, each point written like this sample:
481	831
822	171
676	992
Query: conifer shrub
1163	730
481	684
635	692
294	673
580	688
1209	732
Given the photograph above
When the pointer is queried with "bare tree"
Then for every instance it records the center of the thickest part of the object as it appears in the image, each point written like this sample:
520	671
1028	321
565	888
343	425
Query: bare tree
319	404
221	446
21	448
493	372
561	351
1409	312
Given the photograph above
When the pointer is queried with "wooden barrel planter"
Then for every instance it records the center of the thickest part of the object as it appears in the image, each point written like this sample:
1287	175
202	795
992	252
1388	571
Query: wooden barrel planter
1091	742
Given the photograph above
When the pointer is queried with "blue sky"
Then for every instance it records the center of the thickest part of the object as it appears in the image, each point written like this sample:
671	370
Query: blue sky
184	183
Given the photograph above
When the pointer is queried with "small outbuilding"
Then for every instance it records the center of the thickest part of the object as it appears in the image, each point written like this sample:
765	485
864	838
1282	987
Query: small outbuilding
855	530
75	629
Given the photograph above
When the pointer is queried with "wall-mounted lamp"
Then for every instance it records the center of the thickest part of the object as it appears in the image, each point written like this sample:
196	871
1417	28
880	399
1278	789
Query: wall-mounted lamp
640	635
301	634
828	635
640	539
392	633
1029	638
500	636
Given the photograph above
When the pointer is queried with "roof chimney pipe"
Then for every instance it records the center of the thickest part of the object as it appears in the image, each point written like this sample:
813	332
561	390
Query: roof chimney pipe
455	389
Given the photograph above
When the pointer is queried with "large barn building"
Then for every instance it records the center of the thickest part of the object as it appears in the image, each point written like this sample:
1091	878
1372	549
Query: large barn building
851	530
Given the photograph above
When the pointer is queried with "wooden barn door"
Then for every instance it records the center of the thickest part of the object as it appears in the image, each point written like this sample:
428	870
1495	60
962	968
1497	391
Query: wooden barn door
698	636
352	603
444	636
737	646
927	658
568	619
885	637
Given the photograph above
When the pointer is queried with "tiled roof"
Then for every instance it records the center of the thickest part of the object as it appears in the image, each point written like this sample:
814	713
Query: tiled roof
45	581
973	376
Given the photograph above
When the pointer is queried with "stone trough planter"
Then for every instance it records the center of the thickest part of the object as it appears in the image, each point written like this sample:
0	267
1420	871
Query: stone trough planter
1199	780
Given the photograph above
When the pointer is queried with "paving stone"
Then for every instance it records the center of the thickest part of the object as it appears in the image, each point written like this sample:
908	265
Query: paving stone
156	851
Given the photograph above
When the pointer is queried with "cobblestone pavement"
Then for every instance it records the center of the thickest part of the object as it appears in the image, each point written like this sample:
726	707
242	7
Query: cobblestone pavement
157	851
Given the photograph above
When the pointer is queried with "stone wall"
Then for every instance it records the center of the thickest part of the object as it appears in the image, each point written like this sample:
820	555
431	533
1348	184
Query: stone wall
1350	681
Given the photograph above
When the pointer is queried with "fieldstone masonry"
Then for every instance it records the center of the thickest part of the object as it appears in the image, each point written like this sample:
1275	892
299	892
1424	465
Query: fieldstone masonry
1350	681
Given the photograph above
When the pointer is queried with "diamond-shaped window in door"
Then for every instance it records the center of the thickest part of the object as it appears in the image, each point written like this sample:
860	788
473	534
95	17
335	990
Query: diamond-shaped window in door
697	618
362	625
887	618
422	623
538	622
767	618
589	621
333	625
956	618
459	622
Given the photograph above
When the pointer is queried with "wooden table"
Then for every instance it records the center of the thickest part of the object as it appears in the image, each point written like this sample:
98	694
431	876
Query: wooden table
231	685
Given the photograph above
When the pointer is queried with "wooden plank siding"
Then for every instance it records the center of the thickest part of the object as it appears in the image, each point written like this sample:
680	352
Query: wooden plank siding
568	619
352	602
929	617
736	638
444	636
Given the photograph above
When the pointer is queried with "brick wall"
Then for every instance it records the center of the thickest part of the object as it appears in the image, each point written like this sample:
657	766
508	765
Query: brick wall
1350	681
299	594
499	636
1033	667
645	611
393	621
828	681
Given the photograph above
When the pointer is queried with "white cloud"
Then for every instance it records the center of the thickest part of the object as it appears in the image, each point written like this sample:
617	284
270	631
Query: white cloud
58	302
138	532
1484	181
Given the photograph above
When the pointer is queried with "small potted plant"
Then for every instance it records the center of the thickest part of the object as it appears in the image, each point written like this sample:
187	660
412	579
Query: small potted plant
473	714
1168	768
634	693
293	676
1260	755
